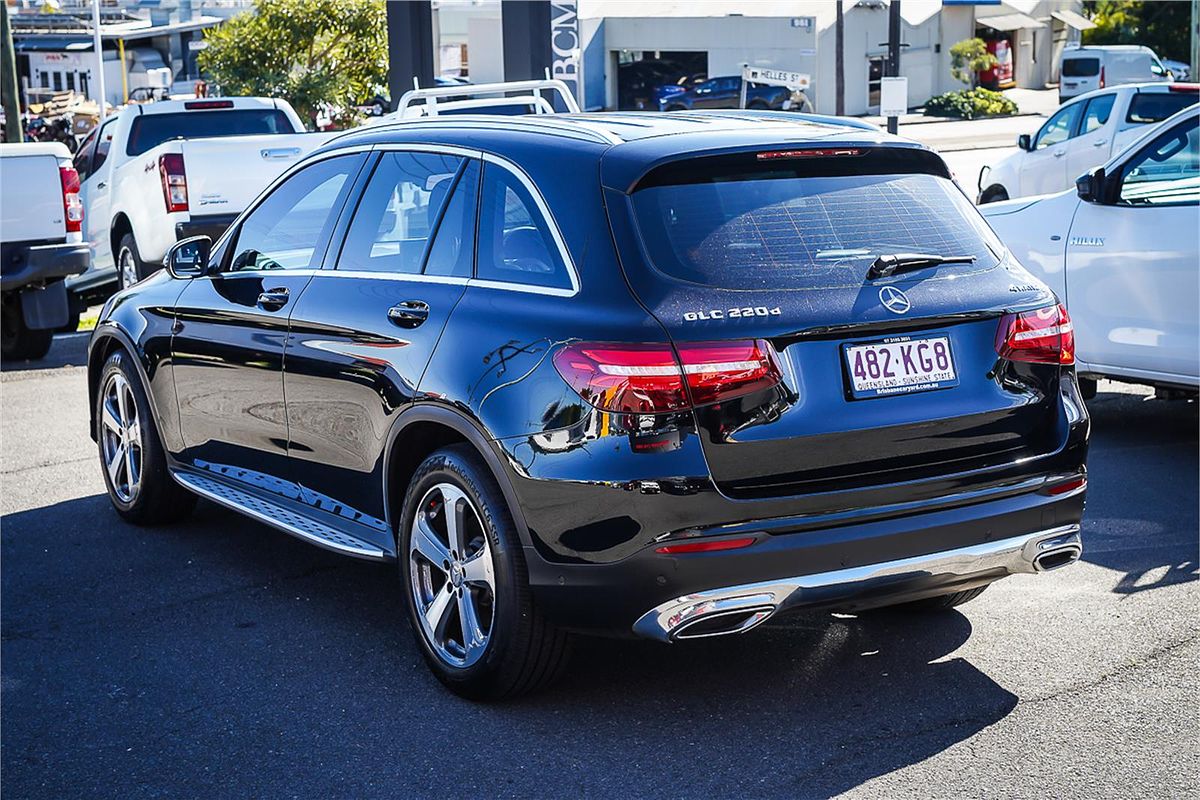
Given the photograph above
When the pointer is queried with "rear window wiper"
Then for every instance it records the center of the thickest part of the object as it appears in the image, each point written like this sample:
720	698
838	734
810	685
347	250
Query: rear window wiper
893	263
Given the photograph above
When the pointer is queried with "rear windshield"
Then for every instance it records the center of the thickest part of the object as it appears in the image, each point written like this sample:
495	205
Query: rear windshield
151	130
789	228
1157	106
1080	67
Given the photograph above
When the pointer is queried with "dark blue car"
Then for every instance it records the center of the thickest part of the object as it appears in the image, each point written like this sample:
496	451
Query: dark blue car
725	92
649	375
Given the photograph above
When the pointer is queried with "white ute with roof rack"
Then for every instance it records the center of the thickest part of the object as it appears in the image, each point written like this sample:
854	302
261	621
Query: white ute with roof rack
155	173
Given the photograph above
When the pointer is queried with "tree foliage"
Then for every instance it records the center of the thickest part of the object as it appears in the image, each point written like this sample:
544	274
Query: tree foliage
309	52
968	58
1162	26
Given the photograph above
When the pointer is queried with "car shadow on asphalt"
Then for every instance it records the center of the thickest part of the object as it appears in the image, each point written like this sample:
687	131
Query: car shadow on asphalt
1143	529
67	350
183	617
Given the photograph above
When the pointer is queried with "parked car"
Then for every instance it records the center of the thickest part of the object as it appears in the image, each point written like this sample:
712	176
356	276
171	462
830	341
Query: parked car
1082	134
1180	71
572	374
726	92
1083	69
677	87
1122	251
155	173
40	244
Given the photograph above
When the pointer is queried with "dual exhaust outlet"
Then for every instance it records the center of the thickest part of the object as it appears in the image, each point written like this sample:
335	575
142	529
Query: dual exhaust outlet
737	609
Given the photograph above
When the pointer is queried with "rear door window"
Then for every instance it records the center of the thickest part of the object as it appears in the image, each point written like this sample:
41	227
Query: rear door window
398	211
1149	107
789	226
1080	67
1097	113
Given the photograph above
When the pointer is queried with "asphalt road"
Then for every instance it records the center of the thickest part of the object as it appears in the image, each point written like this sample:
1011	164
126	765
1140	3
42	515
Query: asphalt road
220	658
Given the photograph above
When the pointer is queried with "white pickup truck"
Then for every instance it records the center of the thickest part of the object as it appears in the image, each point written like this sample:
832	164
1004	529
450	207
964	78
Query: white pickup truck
156	173
41	243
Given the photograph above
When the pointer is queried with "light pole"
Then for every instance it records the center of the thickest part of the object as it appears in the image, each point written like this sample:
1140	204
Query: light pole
99	55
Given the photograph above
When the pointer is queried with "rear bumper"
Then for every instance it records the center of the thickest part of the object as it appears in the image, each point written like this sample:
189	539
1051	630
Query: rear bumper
736	609
26	266
846	565
210	225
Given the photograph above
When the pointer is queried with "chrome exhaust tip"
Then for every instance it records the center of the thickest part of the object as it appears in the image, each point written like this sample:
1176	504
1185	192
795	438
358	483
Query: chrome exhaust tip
1054	559
723	623
1058	551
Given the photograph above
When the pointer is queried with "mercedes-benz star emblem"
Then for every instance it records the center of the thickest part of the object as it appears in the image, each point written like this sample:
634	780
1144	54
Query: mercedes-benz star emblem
894	300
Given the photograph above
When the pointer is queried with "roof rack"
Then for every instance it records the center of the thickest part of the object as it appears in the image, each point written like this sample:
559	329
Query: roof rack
418	102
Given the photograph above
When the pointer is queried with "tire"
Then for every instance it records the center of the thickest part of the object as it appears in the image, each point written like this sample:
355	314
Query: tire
520	651
17	340
942	602
152	497
1088	388
130	267
993	194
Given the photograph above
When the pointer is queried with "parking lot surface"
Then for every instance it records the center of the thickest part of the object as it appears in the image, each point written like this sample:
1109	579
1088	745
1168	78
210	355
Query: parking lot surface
220	658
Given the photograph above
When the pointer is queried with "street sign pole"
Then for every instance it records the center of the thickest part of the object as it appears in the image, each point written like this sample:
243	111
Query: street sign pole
893	123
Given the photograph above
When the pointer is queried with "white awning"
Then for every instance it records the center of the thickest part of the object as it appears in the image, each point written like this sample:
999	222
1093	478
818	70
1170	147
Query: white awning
1076	21
1010	22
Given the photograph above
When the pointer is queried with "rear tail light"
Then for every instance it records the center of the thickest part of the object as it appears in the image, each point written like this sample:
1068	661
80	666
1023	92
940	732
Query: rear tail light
649	379
1102	77
72	205
174	181
1041	336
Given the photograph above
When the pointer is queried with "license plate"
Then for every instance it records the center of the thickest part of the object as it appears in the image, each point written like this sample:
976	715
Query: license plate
900	365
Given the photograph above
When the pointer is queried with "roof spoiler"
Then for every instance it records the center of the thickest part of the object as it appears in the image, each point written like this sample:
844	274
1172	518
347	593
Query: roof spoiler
418	102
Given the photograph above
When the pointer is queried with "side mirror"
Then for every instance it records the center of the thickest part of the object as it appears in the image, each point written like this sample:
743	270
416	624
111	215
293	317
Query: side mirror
1024	142
188	258
1090	186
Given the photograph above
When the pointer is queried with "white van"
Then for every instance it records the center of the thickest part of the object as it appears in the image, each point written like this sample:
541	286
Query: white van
1086	68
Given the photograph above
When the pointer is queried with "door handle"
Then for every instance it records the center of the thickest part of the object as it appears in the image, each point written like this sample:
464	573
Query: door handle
1100	143
273	299
409	314
1059	153
101	185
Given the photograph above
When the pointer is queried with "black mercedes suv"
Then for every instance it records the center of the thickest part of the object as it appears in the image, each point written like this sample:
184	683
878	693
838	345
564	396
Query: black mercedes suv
662	376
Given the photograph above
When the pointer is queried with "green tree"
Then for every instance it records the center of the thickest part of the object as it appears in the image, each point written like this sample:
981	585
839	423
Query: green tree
308	52
968	58
1164	27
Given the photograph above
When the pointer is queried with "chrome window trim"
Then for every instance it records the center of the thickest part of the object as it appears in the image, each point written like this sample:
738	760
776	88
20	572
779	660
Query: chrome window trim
466	152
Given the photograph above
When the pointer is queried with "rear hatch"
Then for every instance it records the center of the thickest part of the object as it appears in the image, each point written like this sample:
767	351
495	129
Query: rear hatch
882	380
31	194
1081	72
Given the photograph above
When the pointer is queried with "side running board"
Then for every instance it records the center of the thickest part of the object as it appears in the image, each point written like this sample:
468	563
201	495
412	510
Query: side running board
278	516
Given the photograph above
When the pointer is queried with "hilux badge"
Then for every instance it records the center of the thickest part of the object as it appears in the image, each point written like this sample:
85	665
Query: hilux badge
894	300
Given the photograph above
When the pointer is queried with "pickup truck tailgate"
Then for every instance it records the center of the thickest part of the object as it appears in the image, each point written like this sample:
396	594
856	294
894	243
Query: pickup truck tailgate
31	195
224	175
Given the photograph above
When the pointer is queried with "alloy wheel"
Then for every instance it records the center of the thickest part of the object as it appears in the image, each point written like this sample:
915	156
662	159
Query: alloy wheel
121	438
452	575
127	268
